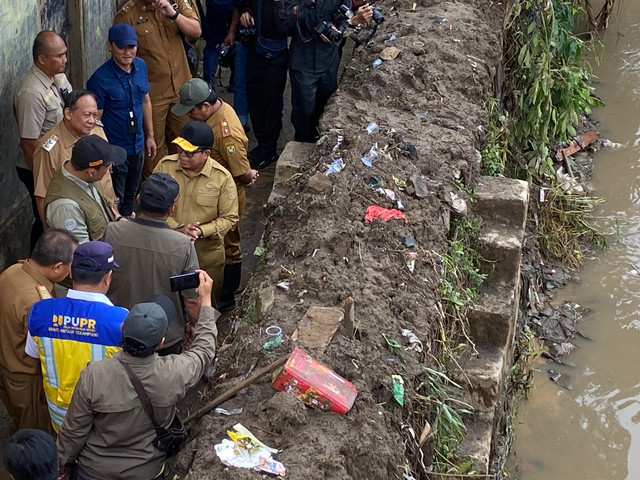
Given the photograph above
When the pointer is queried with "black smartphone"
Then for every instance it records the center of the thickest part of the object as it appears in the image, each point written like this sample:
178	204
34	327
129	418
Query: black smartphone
185	281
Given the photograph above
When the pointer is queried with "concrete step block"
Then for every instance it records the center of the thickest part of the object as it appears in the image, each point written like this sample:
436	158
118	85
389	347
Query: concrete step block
500	246
482	375
502	199
294	155
476	444
493	314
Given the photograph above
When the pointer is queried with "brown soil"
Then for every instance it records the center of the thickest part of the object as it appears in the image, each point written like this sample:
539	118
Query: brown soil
429	106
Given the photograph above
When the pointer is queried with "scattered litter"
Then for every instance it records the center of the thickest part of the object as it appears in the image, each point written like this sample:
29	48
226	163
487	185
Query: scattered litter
260	251
315	250
418	48
336	166
458	205
391	38
315	384
274	333
411	261
368	158
386	214
409	242
235	411
284	285
398	389
372	128
377	62
374	181
414	341
399	182
419	186
606	143
337	145
390	53
399	204
318	326
568	184
387	192
244	450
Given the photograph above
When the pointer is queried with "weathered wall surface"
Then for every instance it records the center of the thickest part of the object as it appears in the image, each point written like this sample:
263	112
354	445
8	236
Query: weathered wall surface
19	23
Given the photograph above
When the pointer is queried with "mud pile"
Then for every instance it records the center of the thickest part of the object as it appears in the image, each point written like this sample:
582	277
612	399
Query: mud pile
428	103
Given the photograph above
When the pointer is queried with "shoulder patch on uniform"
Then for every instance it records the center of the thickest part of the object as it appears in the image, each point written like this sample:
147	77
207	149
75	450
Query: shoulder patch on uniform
70	224
231	149
224	128
51	141
43	292
126	7
232	191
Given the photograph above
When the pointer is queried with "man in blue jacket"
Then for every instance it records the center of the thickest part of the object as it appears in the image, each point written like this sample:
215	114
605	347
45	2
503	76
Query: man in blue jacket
121	88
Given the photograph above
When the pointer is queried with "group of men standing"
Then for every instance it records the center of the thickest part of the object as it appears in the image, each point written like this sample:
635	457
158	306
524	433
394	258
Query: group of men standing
89	158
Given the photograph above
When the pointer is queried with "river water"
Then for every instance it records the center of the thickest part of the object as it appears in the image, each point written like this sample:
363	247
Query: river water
593	430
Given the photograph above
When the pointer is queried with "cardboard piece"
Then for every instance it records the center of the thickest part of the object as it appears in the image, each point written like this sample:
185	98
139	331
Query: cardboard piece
318	326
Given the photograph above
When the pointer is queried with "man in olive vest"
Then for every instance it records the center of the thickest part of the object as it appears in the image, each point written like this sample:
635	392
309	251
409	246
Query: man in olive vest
75	200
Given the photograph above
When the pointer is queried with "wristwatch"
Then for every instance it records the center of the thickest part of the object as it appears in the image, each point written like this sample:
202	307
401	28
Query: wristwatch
175	15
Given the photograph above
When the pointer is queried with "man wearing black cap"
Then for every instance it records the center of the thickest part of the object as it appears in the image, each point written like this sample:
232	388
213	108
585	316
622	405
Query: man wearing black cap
150	252
207	207
107	432
75	200
66	333
121	87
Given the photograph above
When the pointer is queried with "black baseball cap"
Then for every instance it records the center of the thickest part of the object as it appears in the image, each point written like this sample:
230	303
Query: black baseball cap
95	256
159	190
147	321
195	136
94	151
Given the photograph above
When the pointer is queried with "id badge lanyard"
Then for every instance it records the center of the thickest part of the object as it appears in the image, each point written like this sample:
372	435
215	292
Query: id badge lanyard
132	121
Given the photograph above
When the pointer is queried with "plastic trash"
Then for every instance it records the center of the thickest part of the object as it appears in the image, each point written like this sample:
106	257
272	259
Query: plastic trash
409	242
374	181
391	38
419	186
414	341
387	192
386	214
372	128
399	204
222	411
244	450
274	333
336	166
370	156
398	389
377	63
284	285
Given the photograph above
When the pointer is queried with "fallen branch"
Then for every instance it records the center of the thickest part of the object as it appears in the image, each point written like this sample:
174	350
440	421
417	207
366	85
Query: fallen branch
235	390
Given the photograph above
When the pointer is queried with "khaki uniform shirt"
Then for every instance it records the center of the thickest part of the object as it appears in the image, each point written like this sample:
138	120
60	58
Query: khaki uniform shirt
38	105
210	198
159	45
149	252
106	428
52	150
66	213
20	287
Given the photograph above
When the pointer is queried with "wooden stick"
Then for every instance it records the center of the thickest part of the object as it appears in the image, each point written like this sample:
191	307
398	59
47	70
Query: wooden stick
235	390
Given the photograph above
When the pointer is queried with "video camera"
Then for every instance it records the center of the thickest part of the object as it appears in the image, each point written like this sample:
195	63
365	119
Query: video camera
247	32
334	31
226	54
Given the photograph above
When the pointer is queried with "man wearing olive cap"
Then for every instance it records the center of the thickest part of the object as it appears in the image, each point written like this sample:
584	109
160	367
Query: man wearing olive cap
207	207
150	252
106	430
75	199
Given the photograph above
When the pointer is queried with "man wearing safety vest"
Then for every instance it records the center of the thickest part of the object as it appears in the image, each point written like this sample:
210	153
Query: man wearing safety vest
67	333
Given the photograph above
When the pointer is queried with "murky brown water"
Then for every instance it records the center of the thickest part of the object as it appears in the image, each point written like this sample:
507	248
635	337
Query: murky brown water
593	431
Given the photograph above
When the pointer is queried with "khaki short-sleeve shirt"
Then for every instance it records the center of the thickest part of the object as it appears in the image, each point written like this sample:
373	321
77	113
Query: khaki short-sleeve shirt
229	140
38	105
159	45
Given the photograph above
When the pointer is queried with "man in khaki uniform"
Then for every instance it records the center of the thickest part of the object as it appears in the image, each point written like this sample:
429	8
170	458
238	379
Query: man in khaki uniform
229	149
38	106
80	119
158	26
207	207
22	285
75	200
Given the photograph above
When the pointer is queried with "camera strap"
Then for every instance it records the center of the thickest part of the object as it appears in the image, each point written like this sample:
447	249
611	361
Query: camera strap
141	392
294	10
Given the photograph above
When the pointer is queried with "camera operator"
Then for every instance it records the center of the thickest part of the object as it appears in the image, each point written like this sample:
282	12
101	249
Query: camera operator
316	28
266	75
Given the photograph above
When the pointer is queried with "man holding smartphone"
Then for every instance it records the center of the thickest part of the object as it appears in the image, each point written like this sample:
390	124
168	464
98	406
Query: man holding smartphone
150	252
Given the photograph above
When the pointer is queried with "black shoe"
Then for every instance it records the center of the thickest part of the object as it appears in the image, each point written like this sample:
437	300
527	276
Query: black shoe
262	162
254	153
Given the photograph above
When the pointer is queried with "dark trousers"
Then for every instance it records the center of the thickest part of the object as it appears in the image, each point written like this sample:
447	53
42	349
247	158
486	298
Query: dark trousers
309	95
26	177
266	79
78	474
126	178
